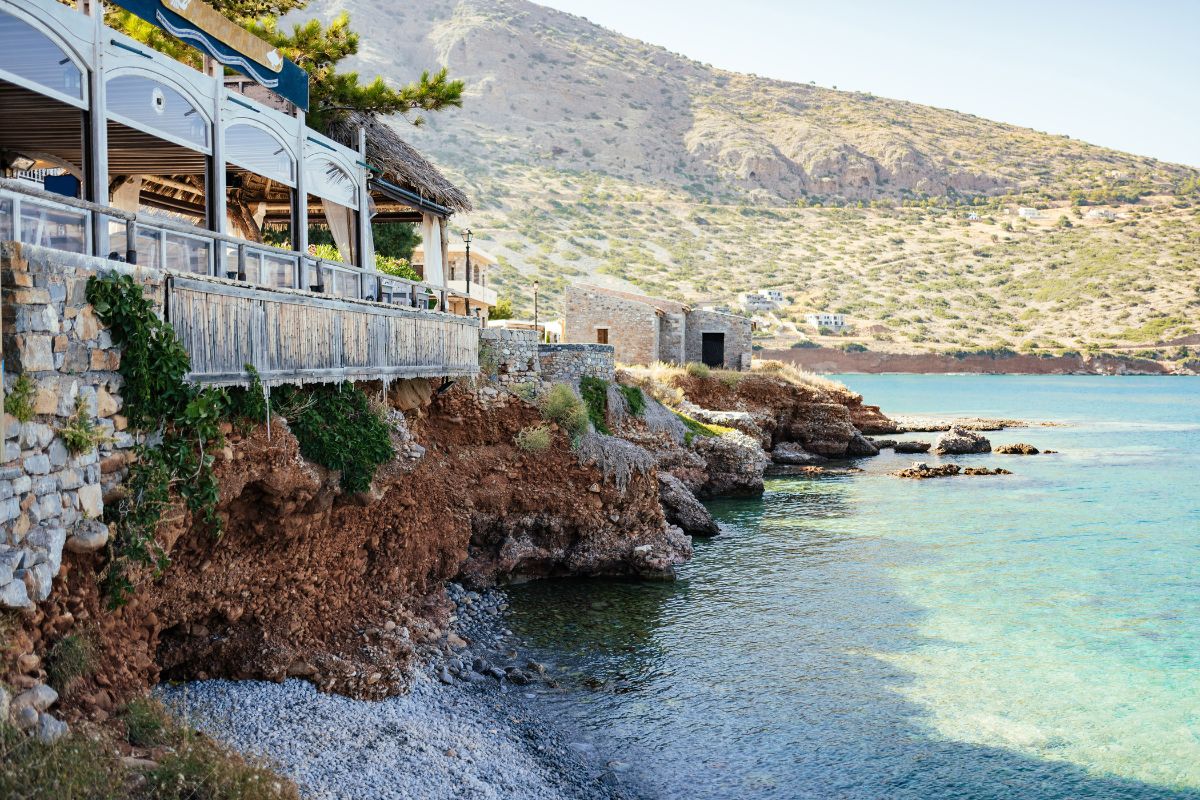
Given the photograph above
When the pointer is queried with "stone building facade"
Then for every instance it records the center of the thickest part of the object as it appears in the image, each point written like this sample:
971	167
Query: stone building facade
645	329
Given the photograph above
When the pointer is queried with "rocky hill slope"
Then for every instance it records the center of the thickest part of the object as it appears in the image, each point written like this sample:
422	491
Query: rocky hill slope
592	154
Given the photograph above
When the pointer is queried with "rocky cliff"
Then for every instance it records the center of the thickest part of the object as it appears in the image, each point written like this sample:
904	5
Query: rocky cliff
344	590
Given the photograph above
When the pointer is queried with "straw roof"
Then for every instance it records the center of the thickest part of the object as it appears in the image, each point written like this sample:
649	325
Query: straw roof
400	162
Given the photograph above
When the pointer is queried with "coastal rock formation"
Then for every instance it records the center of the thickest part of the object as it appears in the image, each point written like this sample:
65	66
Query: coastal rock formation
791	453
1017	450
960	441
682	509
860	445
818	415
344	590
735	464
911	447
753	425
919	471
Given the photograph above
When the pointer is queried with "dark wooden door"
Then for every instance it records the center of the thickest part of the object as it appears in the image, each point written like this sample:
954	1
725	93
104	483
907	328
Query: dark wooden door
712	350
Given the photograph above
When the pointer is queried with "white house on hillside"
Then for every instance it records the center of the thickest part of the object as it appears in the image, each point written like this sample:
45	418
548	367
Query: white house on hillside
1028	213
762	300
831	321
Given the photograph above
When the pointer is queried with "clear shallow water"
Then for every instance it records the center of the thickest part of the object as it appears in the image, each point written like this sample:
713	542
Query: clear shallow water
860	636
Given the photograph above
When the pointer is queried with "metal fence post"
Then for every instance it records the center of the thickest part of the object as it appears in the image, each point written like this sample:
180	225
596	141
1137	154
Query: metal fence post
131	253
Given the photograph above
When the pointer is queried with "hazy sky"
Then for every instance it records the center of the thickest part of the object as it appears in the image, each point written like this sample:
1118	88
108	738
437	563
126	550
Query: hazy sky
1121	74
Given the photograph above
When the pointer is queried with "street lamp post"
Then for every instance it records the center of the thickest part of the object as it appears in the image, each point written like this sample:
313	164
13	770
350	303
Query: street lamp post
535	309
466	235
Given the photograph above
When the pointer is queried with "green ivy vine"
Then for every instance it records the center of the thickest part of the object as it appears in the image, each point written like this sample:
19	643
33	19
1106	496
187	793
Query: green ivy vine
184	419
181	424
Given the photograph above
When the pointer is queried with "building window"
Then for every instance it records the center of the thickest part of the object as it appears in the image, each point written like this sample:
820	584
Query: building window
601	335
330	181
260	152
33	56
154	107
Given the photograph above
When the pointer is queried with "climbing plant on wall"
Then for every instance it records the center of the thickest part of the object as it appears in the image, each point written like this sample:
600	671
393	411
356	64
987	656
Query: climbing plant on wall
184	418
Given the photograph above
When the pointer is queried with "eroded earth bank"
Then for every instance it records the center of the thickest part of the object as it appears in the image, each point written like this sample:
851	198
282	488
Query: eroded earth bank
347	591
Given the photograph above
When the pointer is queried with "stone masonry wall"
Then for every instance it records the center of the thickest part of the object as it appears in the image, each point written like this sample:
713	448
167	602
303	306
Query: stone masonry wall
632	325
510	356
671	331
738	344
568	363
50	498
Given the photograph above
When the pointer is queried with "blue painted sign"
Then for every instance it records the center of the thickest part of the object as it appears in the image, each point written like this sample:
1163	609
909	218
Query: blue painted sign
207	29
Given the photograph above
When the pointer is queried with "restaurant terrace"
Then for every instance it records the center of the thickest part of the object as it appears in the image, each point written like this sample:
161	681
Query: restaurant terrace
113	150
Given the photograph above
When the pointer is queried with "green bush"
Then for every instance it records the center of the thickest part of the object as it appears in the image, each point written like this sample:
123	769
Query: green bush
338	429
396	267
595	397
534	439
199	768
81	434
559	404
503	309
19	401
635	399
70	658
698	369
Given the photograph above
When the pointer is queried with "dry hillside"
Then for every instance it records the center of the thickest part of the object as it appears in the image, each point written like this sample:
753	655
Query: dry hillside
592	154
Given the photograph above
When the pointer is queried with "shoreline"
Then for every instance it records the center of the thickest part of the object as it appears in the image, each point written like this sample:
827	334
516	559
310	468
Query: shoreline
833	361
469	727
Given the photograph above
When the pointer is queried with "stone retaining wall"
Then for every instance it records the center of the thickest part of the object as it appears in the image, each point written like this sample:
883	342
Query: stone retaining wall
568	363
50	498
509	356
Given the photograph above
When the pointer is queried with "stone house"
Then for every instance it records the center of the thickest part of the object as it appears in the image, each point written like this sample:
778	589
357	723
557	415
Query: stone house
645	329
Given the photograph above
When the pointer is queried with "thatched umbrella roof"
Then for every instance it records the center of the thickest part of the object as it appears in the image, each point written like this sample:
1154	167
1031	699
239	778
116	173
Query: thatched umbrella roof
400	162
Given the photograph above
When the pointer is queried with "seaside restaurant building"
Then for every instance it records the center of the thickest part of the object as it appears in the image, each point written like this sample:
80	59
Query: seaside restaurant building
109	148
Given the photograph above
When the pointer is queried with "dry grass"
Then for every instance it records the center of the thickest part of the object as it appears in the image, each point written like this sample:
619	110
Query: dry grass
797	376
86	765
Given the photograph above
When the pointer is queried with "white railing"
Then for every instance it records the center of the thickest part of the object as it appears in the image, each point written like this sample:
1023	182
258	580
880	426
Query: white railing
34	216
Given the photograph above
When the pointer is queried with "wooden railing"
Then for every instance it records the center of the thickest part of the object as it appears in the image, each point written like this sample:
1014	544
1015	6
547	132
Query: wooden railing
296	337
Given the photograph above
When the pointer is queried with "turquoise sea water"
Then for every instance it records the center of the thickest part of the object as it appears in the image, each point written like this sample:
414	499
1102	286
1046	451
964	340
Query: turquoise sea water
861	636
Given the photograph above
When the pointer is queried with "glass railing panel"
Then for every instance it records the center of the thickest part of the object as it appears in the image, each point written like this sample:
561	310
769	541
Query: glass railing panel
188	254
346	284
149	247
6	219
278	271
52	226
254	267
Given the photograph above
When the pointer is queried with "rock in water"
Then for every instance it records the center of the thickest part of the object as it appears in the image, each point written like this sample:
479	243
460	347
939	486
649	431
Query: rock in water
860	445
911	447
960	441
735	465
682	508
1017	450
793	454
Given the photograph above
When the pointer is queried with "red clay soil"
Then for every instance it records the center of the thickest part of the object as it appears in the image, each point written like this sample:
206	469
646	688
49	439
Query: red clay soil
340	590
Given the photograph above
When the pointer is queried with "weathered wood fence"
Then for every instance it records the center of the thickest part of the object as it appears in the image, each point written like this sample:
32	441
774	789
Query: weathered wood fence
293	337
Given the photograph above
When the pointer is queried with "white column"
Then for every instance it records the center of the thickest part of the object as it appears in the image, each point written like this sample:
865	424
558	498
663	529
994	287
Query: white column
98	129
300	217
218	222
